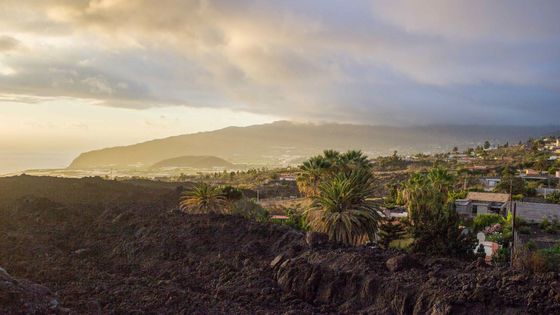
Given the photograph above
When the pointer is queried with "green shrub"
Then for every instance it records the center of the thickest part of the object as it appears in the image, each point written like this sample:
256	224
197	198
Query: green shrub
296	220
250	209
552	258
483	220
544	260
553	197
496	237
231	193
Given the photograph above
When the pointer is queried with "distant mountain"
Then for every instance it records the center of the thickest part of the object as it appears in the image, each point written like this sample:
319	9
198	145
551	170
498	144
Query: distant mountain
284	142
197	162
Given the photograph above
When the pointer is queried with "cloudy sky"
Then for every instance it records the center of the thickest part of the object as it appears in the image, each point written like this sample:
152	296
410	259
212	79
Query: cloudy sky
78	74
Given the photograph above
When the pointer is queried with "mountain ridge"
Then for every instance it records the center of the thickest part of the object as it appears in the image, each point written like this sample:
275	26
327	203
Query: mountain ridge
193	161
280	142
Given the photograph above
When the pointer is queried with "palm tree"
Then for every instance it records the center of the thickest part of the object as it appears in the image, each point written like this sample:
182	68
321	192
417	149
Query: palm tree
342	210
354	159
332	156
426	195
203	198
441	179
312	171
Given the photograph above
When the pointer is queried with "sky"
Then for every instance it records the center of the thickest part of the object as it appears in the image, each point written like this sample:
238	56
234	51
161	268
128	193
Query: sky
84	74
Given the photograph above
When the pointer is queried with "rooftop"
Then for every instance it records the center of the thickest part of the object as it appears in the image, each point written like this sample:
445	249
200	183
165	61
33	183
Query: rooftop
489	197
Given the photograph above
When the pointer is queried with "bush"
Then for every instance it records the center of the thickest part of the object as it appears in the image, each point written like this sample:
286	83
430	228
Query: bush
390	229
231	193
539	261
496	237
296	220
553	197
483	220
250	209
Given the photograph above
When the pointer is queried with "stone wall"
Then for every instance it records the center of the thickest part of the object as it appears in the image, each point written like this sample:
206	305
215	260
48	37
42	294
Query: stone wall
537	212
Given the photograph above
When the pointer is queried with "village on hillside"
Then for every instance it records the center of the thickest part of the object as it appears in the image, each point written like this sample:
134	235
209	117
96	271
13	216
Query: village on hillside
508	195
493	186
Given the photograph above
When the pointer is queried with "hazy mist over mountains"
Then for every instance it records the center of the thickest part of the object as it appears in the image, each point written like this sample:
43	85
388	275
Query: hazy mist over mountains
285	143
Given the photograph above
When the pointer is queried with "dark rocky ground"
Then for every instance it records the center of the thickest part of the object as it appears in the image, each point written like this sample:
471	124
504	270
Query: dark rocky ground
102	247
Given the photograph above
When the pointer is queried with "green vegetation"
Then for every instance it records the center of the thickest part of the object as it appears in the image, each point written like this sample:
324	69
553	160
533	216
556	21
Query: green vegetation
552	258
391	230
434	224
231	193
340	186
323	167
512	184
203	198
342	210
296	220
553	197
550	227
484	220
250	209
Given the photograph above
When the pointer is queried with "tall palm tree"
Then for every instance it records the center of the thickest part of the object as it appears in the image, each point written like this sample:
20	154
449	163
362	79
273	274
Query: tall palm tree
342	209
203	198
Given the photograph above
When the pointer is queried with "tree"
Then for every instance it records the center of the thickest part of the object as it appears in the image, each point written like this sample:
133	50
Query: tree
541	164
203	198
342	208
455	149
322	167
487	144
434	223
231	193
352	160
312	171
